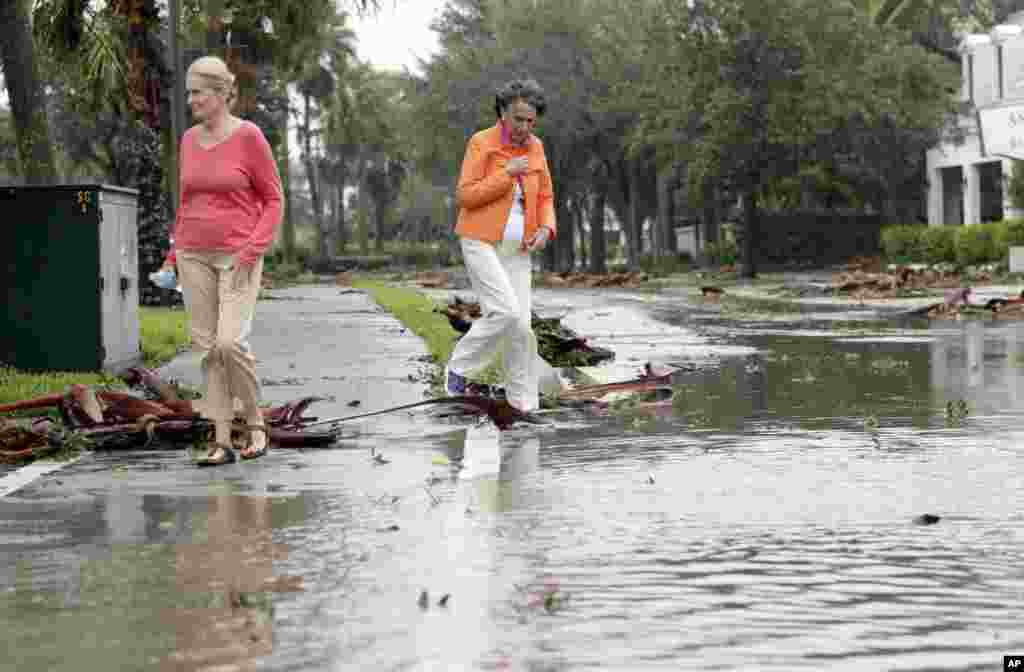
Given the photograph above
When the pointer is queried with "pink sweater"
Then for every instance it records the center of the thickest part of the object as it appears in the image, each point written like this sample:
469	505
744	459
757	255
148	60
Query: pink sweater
230	196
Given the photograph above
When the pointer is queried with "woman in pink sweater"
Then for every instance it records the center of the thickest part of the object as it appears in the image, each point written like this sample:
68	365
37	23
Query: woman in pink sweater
230	209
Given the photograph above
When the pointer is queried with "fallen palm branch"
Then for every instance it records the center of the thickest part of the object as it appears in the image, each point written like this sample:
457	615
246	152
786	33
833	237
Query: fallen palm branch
646	382
576	279
157	415
558	345
902	281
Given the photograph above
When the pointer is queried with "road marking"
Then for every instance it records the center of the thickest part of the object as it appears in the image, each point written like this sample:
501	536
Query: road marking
17	480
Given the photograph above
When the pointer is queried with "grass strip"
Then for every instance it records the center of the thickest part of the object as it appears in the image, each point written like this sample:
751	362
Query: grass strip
417	313
164	332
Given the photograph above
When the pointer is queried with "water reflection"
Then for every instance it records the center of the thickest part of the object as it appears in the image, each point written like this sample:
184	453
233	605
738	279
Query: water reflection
230	564
184	583
980	363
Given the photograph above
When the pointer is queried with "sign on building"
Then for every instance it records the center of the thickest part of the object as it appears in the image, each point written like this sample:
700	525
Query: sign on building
1002	130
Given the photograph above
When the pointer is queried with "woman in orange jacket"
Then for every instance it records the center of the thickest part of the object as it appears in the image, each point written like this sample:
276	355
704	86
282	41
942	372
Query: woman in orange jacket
506	212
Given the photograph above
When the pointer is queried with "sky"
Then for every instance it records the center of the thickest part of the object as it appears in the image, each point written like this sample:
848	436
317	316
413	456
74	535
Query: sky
398	34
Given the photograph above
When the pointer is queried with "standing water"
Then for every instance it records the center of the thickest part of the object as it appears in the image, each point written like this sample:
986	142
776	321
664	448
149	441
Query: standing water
770	515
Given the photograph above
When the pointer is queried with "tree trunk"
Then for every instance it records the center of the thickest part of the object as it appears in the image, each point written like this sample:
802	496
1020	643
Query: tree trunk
288	221
598	244
709	222
363	217
564	259
663	221
340	231
748	250
313	175
380	224
633	222
21	74
214	24
579	213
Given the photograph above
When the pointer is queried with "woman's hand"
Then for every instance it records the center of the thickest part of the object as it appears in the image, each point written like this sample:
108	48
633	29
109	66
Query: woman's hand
539	240
517	166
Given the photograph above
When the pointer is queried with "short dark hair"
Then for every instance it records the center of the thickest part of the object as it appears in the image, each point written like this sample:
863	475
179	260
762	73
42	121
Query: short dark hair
527	90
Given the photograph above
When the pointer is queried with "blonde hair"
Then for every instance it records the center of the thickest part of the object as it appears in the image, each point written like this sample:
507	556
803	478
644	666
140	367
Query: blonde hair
215	73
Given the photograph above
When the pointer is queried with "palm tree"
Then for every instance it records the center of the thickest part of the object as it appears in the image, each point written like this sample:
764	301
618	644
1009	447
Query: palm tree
322	61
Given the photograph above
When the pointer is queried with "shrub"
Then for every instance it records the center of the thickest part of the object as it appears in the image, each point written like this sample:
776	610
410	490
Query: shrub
666	264
1011	233
1015	185
976	244
904	242
723	253
939	244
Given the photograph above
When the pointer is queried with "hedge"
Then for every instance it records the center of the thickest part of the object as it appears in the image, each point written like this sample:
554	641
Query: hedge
960	245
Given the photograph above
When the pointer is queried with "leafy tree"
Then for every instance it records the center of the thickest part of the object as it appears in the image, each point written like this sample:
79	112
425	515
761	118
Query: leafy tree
758	85
21	76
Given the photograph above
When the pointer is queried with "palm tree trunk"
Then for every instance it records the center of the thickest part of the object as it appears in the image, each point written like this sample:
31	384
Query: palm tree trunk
17	55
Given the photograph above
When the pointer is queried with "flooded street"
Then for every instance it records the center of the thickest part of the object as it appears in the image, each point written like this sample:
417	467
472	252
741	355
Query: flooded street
765	517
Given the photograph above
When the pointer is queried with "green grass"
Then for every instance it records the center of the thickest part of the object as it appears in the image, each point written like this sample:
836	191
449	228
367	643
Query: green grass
416	312
163	331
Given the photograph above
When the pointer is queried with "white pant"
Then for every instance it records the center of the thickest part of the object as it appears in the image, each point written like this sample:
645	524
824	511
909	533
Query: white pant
501	276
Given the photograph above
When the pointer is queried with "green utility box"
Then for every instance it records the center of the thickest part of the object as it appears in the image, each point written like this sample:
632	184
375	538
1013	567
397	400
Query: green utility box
69	272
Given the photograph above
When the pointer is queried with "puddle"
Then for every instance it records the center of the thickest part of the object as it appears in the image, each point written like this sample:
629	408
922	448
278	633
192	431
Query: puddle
760	511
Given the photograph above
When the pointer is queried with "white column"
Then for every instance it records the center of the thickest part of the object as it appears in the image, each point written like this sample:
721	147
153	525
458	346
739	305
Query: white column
972	194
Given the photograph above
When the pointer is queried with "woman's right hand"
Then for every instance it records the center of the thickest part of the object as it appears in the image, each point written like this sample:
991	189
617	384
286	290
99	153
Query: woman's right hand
517	166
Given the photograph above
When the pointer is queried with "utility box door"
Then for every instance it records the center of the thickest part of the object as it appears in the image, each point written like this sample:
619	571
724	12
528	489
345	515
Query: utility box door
61	271
119	261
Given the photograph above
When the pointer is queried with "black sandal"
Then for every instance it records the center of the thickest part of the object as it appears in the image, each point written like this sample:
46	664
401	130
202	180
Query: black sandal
266	441
227	457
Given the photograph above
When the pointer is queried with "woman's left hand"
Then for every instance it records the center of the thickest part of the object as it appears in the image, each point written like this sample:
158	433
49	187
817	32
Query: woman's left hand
540	239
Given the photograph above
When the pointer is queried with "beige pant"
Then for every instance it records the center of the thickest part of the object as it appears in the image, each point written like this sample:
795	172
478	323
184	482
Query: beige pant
221	298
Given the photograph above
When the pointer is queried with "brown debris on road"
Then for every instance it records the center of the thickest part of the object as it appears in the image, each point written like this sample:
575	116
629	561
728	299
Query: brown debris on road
433	279
111	419
579	280
867	285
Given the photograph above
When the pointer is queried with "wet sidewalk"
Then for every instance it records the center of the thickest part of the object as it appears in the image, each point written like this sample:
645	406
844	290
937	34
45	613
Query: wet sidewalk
330	342
333	343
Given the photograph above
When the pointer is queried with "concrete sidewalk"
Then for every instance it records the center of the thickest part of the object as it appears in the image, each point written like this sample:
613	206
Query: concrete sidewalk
330	342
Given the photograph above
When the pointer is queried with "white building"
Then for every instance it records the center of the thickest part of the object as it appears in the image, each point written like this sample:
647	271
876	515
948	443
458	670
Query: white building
967	179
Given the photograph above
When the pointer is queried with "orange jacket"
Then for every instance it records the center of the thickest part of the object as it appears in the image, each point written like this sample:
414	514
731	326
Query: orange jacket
486	190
